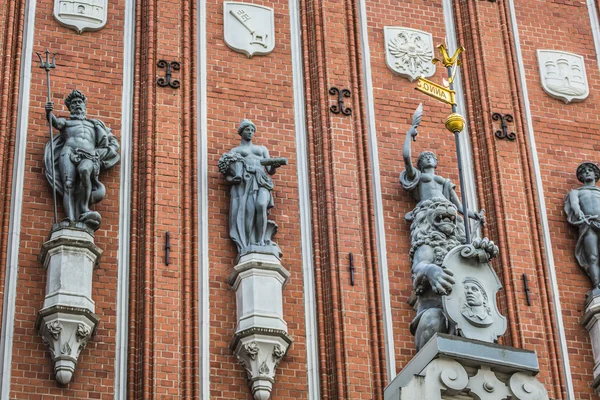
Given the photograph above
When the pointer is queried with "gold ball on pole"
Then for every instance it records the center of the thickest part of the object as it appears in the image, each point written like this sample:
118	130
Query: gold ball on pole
455	123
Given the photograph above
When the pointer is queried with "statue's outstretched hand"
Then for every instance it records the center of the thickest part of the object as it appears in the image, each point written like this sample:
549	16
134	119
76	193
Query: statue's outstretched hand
49	107
480	216
440	279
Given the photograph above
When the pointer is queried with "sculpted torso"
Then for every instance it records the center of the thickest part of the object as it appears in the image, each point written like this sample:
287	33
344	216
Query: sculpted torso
252	154
589	200
78	134
430	186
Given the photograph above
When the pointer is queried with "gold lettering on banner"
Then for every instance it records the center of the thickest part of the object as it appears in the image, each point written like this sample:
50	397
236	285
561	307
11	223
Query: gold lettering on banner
436	91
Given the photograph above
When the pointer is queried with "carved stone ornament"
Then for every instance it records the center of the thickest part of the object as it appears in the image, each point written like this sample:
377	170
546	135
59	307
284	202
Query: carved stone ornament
563	75
454	368
249	28
67	320
471	305
408	52
81	15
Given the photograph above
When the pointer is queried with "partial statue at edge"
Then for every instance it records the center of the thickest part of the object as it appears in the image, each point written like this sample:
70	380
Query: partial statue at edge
247	168
83	148
582	206
436	228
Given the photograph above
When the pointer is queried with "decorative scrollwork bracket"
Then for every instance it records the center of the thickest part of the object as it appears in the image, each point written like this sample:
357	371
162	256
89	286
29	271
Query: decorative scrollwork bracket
504	119
336	109
166	80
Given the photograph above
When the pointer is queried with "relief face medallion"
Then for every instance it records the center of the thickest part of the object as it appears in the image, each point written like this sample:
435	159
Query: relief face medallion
408	52
248	28
81	15
563	75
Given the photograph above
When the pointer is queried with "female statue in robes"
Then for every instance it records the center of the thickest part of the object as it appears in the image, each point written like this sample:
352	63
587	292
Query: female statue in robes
247	168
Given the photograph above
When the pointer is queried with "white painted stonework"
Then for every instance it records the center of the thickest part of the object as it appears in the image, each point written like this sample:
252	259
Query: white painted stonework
261	340
67	321
409	52
563	75
249	28
452	368
471	305
81	15
590	320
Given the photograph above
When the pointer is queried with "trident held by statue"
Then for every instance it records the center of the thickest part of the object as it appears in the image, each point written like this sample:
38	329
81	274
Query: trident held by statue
48	65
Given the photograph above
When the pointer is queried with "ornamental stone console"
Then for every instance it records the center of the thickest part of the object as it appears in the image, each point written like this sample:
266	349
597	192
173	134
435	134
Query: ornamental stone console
73	159
261	340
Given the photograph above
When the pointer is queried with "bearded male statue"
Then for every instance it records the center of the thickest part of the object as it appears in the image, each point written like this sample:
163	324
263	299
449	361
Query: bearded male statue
436	228
83	148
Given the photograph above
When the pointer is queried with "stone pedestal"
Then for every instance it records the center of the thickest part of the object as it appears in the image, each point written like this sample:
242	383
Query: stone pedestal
67	320
452	367
261	338
590	319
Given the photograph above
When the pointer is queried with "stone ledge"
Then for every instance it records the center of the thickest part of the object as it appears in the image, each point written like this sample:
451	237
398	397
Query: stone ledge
468	352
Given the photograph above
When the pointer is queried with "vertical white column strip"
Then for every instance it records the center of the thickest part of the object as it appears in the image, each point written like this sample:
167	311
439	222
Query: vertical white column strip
310	305
203	266
542	206
595	26
125	205
16	206
384	281
464	143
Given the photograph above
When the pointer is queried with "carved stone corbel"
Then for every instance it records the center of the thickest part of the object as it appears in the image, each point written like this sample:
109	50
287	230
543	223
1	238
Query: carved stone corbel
67	320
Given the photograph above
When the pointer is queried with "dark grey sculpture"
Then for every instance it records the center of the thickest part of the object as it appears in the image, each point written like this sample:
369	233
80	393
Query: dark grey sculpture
436	228
83	148
582	206
246	167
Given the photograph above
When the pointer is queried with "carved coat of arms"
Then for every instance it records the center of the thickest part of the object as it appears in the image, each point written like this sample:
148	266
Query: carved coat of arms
563	75
408	52
249	28
81	15
471	306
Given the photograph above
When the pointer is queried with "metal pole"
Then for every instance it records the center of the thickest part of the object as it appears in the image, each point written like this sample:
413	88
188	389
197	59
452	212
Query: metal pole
47	65
460	169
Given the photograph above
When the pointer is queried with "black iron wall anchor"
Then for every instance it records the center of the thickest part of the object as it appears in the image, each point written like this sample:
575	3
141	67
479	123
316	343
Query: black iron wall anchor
339	108
167	247
166	80
504	119
351	269
527	295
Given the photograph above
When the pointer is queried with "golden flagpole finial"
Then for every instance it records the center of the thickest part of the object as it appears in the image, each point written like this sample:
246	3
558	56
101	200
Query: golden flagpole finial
446	59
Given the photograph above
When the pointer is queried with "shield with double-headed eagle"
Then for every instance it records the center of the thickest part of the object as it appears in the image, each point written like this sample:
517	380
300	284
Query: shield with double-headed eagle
249	28
81	15
409	52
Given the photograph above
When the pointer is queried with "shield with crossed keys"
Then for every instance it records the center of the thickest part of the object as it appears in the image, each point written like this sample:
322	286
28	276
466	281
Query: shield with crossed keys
249	28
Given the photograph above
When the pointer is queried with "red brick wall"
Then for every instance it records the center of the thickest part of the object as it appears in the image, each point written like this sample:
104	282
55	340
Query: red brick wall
260	89
565	136
92	63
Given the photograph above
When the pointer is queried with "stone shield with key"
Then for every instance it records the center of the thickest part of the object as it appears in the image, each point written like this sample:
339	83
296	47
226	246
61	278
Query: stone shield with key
249	28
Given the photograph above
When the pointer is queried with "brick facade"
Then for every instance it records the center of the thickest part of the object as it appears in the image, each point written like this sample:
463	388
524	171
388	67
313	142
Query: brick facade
169	157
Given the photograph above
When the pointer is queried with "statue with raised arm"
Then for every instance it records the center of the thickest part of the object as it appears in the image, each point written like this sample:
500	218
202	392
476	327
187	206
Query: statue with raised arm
247	168
83	148
436	228
582	206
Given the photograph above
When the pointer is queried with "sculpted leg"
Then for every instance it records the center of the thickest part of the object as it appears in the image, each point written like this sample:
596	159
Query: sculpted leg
85	169
432	321
68	175
261	215
590	245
